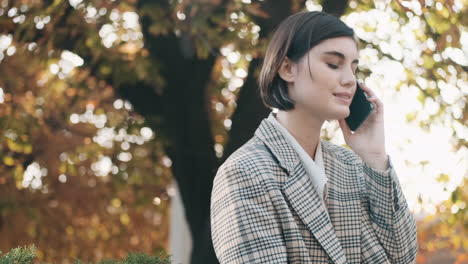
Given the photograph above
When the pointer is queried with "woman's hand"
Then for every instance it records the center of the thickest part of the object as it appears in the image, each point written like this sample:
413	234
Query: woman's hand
368	141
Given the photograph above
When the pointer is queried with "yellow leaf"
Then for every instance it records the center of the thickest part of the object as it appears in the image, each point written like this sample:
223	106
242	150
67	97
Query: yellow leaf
9	161
12	145
116	202
39	254
27	149
410	117
31	230
63	168
69	231
19	173
443	178
456	241
125	219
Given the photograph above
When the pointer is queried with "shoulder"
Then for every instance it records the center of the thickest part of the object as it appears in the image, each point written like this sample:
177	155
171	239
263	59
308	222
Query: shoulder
341	153
251	162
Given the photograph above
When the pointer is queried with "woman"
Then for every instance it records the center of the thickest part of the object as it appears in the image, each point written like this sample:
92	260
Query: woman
288	197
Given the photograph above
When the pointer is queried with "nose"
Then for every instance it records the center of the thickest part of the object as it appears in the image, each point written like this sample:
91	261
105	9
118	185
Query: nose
348	79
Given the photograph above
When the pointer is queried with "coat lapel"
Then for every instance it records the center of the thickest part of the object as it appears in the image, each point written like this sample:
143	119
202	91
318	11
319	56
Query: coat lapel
300	193
344	199
306	202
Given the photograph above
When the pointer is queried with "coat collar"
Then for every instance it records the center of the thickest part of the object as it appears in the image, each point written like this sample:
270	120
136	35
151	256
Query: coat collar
310	208
279	146
287	156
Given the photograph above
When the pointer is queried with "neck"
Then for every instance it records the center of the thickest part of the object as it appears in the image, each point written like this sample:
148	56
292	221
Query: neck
303	127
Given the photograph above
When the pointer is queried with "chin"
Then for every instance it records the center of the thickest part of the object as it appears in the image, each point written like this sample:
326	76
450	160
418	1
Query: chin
346	115
342	114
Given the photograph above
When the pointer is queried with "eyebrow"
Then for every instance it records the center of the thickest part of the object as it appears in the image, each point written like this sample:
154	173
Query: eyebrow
341	55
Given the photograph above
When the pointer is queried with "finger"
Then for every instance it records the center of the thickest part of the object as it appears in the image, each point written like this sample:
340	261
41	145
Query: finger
345	128
367	90
378	105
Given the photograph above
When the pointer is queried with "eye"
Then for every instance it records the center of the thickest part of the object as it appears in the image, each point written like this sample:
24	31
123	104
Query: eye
333	66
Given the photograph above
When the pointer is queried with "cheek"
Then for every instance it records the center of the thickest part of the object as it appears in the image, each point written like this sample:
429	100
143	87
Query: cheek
313	85
326	74
321	72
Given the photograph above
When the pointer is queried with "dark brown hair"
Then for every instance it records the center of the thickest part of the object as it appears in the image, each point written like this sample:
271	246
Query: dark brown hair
294	37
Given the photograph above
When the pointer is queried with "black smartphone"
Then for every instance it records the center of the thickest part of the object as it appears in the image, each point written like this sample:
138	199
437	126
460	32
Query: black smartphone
360	109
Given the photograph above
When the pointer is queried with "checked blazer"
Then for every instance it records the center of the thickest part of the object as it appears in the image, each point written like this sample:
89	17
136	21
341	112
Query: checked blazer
264	208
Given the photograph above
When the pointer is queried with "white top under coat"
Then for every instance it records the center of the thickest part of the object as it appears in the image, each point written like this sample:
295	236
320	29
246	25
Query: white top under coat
314	168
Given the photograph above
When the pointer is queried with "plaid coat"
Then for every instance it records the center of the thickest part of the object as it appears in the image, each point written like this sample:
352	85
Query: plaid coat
264	208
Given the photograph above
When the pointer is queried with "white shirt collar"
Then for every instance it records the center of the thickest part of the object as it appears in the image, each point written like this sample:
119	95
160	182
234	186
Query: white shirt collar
315	169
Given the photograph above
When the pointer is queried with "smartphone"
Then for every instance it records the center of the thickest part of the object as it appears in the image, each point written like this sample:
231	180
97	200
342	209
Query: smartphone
360	109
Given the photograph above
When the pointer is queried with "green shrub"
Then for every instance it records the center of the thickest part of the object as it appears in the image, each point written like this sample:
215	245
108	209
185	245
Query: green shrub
26	256
19	255
136	258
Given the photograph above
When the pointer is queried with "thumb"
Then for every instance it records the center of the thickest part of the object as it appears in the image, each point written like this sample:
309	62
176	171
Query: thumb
345	128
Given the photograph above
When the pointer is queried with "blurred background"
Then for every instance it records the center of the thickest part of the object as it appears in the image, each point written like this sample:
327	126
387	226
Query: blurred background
115	115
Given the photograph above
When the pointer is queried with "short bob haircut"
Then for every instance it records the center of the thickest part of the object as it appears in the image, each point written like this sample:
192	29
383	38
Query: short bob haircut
294	37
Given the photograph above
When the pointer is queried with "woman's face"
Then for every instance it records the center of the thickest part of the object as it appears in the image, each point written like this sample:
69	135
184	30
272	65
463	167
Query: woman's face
326	90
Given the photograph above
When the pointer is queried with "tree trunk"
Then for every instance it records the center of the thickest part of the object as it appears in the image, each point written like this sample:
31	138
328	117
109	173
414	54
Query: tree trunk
186	125
250	109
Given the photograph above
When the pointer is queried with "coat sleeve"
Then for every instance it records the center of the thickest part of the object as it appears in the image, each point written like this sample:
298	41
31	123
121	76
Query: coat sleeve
244	225
391	218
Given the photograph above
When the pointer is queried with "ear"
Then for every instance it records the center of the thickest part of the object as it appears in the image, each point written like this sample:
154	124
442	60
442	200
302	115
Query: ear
287	70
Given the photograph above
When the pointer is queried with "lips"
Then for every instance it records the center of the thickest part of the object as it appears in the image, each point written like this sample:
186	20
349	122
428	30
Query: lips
344	97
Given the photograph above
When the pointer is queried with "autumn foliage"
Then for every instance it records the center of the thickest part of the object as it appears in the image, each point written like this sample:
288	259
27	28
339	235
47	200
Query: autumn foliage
104	105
